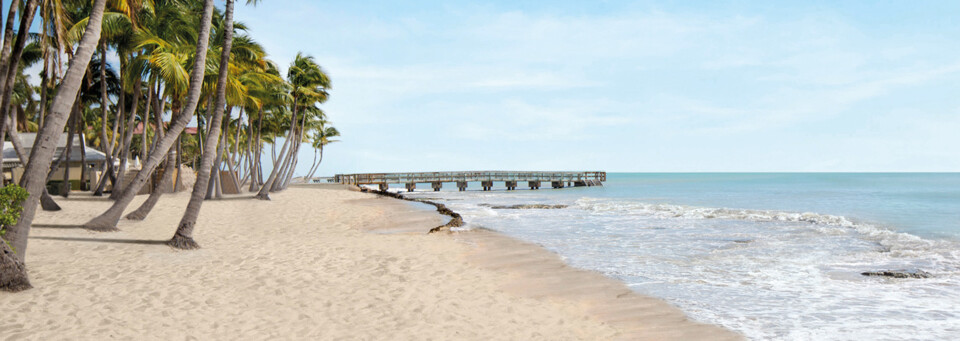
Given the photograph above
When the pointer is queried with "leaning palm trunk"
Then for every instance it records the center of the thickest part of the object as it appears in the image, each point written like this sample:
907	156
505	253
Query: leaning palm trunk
105	146
285	155
145	121
9	74
295	157
263	194
5	51
43	88
65	186
316	165
83	154
127	141
158	187
8	35
108	220
46	202
252	142
218	160
183	238
13	276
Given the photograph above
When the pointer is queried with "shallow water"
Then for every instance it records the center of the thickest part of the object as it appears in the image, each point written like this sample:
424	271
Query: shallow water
773	256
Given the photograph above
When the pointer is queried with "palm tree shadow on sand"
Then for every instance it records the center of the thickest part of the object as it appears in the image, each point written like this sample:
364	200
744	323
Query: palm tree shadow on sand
105	240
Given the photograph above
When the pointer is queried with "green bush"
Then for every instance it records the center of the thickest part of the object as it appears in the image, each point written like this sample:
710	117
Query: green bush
11	204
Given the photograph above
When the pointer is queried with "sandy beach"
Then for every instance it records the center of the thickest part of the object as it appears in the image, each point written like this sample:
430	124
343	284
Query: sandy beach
315	263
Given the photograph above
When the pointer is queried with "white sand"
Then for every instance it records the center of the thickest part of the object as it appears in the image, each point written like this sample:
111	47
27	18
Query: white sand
313	264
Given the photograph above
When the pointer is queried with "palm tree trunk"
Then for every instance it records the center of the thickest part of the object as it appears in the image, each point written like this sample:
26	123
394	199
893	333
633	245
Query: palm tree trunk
183	237
159	129
259	146
127	140
251	139
316	166
295	157
83	152
13	276
67	150
108	170
11	65
218	161
43	88
263	194
177	184
236	138
158	188
104	121
7	41
46	202
145	121
108	220
313	165
63	156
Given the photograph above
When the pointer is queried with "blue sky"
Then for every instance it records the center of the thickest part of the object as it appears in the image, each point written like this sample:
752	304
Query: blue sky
629	86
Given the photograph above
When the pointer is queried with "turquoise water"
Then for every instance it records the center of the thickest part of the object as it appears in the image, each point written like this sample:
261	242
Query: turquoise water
924	204
771	255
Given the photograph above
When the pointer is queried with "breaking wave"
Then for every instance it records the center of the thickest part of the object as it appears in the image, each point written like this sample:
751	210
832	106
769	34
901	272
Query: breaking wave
898	244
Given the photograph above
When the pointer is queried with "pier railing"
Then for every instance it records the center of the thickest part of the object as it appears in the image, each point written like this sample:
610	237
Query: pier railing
511	178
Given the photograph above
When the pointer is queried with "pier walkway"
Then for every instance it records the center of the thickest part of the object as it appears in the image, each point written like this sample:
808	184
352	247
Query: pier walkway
486	179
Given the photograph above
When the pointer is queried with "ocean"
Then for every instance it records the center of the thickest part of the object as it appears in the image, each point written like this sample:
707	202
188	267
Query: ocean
771	255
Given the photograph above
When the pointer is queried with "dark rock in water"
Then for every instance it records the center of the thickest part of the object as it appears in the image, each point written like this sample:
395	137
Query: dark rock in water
899	273
525	207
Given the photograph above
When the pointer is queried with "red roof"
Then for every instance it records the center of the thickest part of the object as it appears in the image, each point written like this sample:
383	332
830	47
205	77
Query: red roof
139	129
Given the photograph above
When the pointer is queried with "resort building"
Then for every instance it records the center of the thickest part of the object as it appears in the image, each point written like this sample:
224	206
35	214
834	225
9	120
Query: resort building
93	160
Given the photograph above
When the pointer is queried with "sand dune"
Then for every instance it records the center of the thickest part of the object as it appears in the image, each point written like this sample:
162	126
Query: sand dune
314	263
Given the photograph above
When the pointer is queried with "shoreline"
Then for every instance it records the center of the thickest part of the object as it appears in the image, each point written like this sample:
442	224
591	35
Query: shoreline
542	274
356	267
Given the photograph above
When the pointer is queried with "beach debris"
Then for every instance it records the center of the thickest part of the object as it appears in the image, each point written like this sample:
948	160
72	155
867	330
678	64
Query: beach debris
455	221
525	207
899	273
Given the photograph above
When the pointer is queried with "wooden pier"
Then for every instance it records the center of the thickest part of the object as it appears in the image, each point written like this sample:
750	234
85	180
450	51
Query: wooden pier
486	179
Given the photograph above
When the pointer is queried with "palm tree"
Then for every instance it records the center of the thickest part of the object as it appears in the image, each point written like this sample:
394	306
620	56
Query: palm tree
244	55
13	274
108	220
321	137
309	83
183	237
10	66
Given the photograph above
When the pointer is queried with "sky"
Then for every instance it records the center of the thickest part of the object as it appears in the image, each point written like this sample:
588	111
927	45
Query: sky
645	86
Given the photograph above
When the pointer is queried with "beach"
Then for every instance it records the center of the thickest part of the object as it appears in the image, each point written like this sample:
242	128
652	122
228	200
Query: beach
319	262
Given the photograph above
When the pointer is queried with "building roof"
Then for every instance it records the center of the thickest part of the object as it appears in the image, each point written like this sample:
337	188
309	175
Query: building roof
138	129
10	158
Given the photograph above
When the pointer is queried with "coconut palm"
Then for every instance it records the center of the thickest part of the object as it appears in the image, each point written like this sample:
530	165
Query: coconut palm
13	274
108	220
10	61
308	84
183	237
322	136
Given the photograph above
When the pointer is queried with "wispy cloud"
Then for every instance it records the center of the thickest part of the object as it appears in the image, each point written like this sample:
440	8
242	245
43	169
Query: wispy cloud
656	88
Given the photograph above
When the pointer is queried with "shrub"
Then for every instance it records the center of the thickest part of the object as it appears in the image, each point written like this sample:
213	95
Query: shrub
11	204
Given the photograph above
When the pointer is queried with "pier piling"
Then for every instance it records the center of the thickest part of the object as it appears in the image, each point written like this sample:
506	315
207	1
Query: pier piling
487	185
